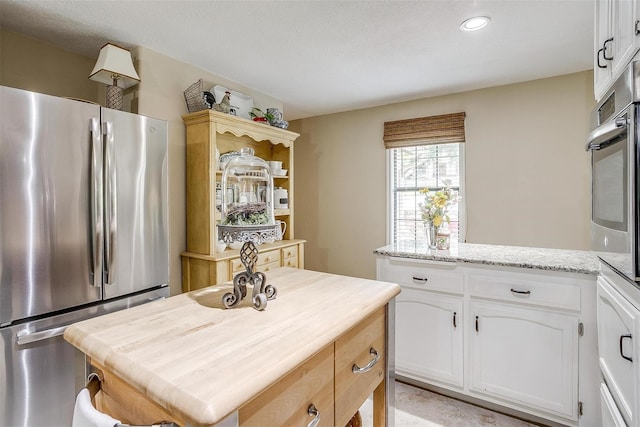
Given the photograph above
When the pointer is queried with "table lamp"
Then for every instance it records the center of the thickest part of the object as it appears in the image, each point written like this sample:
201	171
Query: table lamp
114	64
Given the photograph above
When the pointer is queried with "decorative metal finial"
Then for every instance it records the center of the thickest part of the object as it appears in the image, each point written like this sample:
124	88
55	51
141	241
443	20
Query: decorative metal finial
261	291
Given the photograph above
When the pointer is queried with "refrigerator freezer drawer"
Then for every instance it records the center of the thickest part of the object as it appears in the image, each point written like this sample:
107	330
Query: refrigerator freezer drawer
42	373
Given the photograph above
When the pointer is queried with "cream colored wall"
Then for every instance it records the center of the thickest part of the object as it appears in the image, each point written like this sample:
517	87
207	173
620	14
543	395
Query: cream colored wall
160	95
26	63
527	173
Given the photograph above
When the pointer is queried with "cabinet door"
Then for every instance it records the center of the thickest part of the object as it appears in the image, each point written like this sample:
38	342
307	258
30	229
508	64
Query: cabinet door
610	415
602	68
624	45
429	336
525	356
618	349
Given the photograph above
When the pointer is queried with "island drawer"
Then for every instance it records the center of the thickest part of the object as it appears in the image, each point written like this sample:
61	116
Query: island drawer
530	289
359	365
263	259
287	402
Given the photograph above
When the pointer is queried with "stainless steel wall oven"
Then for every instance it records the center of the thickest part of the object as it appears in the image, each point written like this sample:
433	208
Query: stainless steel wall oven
615	167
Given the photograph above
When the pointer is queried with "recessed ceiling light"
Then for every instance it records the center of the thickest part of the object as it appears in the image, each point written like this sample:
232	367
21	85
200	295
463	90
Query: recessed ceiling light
475	23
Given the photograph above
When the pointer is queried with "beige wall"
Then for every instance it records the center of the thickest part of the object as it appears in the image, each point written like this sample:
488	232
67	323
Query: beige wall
26	63
527	173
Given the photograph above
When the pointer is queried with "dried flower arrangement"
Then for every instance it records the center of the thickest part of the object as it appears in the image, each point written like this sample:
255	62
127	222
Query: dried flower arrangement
247	214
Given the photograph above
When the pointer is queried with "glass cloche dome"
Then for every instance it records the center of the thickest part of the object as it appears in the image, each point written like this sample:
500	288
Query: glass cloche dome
247	201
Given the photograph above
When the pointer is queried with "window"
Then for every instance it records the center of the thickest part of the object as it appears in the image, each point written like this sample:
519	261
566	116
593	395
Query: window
424	152
414	168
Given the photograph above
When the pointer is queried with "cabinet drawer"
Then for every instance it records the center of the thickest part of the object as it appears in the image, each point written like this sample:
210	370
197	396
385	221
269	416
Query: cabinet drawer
353	350
286	403
526	289
442	277
290	252
270	266
268	257
263	258
290	262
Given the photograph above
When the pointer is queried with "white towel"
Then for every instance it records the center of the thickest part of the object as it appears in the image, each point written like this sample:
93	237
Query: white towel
85	415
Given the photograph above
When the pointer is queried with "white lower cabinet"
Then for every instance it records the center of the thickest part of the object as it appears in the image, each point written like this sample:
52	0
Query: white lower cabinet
521	339
429	336
525	355
611	416
618	327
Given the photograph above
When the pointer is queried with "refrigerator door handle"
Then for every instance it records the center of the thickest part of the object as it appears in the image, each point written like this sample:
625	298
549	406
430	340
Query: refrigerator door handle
95	276
26	336
111	203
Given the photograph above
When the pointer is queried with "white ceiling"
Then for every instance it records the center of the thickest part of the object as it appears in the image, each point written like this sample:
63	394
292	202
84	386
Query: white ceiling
322	57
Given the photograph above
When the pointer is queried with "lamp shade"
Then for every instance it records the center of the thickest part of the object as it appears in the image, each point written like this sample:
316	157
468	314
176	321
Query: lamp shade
114	62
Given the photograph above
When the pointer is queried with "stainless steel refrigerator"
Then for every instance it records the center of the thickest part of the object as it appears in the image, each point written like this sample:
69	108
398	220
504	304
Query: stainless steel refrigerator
83	232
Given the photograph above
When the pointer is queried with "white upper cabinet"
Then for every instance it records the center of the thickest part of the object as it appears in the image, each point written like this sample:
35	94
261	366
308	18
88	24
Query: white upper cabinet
617	39
602	68
625	39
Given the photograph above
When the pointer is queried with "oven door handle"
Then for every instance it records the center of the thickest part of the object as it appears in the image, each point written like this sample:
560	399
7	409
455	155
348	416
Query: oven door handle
605	134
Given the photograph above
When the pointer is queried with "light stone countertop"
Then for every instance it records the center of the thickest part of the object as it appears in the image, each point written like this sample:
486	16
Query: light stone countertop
201	362
573	261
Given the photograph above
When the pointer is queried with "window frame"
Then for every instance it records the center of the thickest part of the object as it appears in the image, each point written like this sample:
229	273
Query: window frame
462	213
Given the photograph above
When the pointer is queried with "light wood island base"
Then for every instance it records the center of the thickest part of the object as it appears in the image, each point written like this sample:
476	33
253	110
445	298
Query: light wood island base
321	344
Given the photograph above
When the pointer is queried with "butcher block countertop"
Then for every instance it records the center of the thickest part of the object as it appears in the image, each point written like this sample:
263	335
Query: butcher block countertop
202	362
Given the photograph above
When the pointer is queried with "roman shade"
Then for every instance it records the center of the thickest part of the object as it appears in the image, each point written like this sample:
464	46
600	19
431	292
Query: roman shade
442	129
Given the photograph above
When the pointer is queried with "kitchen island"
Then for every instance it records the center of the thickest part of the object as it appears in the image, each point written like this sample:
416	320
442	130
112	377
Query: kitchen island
319	347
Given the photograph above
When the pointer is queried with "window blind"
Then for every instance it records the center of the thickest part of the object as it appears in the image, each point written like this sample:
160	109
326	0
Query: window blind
442	129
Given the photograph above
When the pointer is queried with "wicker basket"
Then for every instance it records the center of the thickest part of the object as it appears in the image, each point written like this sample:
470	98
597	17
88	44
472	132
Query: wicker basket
194	96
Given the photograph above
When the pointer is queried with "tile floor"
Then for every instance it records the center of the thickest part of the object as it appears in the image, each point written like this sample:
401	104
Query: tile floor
416	407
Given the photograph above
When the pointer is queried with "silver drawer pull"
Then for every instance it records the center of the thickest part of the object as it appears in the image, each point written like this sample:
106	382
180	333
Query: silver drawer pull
515	291
420	279
358	370
313	412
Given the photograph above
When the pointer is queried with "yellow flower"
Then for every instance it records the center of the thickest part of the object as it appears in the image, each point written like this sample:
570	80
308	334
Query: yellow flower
437	221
